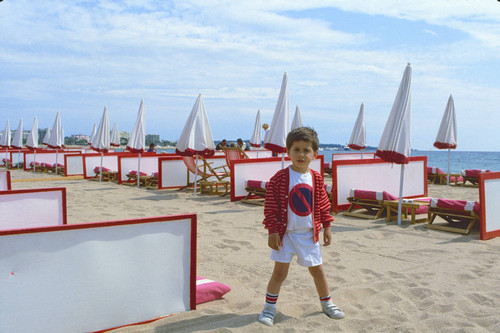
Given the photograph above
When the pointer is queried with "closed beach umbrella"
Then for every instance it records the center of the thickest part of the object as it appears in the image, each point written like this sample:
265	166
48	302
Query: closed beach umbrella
46	137
358	135
256	140
137	140
17	141
56	139
32	141
91	137
395	145
297	119
101	142
447	134
280	125
196	137
114	139
5	141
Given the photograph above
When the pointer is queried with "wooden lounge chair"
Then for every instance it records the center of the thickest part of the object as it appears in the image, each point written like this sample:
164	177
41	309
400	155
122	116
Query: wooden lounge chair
433	175
472	176
460	215
132	178
107	174
371	204
212	178
152	180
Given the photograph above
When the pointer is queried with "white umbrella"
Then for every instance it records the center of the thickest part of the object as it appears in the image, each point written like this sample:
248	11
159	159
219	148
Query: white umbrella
196	137
32	141
137	140
297	119
114	139
46	137
358	135
395	143
17	141
101	142
447	133
5	141
56	140
280	126
256	140
94	129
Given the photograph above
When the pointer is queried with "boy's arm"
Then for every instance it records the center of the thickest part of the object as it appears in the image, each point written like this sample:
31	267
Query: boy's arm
324	205
327	236
271	208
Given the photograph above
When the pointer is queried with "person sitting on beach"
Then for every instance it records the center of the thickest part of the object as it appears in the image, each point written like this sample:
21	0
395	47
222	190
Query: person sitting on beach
221	144
242	144
296	208
152	147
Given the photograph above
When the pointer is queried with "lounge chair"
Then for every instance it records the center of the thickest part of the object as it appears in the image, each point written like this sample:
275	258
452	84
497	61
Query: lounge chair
472	176
152	180
132	178
371	204
211	178
460	215
327	168
107	174
433	174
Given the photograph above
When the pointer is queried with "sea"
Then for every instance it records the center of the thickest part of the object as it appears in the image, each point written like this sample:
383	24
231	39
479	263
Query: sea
459	160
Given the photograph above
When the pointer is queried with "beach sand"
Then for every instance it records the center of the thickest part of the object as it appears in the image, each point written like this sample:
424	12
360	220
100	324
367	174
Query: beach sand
386	278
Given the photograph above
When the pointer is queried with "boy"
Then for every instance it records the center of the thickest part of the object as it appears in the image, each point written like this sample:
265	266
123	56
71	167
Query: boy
296	207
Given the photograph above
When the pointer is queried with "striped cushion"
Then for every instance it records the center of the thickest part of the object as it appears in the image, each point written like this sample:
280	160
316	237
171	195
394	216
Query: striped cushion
104	169
134	173
256	184
473	172
461	205
374	195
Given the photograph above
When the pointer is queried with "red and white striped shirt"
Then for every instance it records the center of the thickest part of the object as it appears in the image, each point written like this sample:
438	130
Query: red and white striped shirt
276	204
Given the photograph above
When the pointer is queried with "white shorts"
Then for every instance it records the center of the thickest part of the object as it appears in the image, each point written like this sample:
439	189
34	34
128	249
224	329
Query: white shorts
300	243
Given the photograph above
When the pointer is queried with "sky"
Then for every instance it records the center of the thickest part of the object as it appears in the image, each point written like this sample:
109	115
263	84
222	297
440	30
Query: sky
78	56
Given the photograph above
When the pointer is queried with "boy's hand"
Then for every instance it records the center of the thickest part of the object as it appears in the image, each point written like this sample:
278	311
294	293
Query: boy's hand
274	241
327	236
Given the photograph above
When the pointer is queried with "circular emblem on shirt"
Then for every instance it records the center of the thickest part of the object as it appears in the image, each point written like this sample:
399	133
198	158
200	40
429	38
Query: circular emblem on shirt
300	199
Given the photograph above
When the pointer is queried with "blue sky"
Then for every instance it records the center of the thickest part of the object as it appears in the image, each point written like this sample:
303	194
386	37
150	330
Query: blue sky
78	56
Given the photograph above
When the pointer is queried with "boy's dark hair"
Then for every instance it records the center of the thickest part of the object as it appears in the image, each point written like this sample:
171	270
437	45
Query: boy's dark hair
303	134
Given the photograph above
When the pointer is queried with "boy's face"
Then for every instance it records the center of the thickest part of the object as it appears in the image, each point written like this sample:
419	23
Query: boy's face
301	153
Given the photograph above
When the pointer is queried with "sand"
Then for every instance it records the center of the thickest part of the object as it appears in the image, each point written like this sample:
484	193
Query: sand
386	278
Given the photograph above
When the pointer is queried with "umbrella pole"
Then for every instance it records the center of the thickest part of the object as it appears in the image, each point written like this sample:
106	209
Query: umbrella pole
139	171
448	177
401	193
195	174
57	154
18	159
34	161
100	173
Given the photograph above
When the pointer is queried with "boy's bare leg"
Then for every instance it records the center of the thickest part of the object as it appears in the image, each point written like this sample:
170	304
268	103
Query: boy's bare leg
330	309
279	275
273	289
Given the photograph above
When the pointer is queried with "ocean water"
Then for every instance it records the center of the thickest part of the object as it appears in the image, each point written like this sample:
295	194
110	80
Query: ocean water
459	160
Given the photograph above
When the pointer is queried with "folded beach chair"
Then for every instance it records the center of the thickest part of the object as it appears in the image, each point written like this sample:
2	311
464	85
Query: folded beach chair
460	215
211	178
371	204
472	175
233	153
107	174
